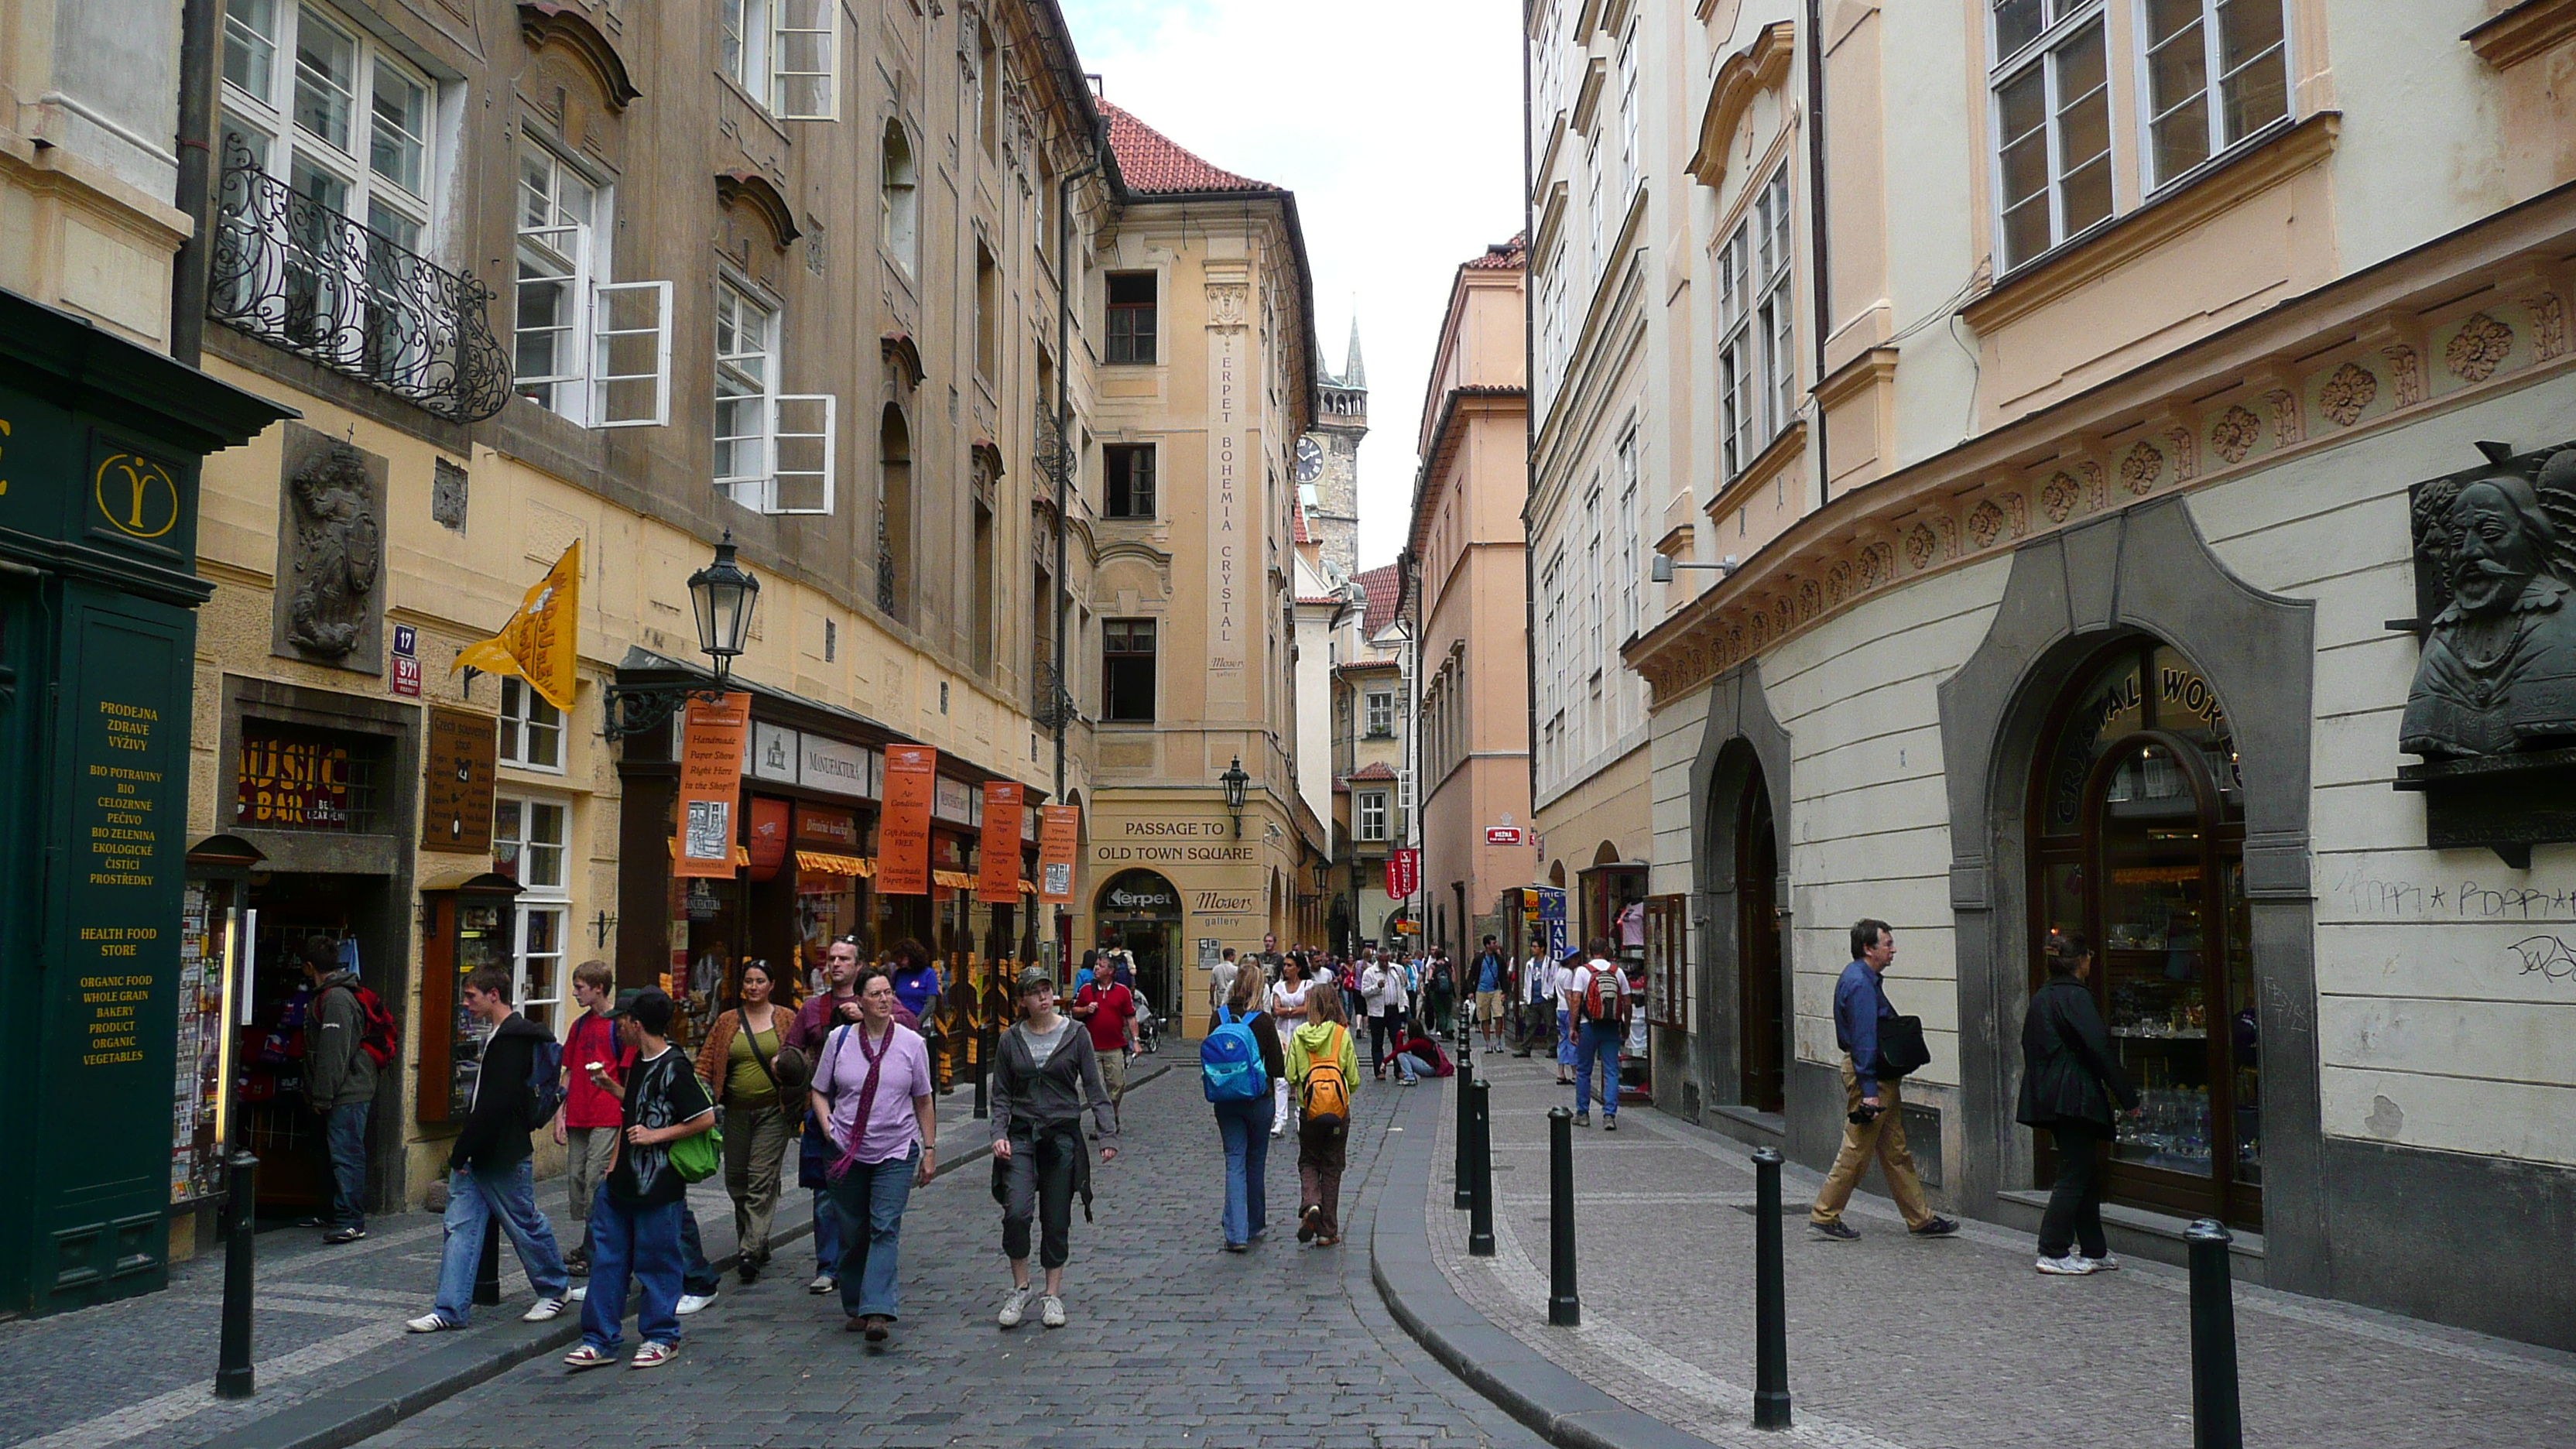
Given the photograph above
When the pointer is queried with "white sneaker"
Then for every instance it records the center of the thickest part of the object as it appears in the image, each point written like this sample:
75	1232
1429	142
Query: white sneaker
1015	1306
2107	1263
1051	1311
2069	1266
823	1283
578	1294
542	1309
430	1323
692	1302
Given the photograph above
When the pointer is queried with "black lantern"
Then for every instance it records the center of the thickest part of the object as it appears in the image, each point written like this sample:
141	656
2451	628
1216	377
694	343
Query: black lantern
1234	780
723	594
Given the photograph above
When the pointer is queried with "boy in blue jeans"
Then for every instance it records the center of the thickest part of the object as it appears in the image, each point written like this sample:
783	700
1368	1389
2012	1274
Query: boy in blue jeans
635	1219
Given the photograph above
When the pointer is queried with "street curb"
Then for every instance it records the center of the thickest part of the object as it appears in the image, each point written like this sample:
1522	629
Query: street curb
1558	1406
343	1416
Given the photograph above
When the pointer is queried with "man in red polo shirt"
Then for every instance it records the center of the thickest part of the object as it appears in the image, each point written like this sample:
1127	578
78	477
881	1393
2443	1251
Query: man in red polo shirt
1108	1008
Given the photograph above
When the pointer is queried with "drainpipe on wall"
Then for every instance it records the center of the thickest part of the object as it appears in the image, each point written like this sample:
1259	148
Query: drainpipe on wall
1816	230
195	193
1061	703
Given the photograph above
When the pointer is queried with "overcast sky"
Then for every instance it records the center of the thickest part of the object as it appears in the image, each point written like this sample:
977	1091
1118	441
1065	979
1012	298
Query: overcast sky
1397	124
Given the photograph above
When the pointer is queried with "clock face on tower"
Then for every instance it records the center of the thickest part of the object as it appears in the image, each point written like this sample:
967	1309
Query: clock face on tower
1310	460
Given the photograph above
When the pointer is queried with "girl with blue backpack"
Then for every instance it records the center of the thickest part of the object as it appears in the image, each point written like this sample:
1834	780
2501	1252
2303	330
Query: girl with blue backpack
1238	1063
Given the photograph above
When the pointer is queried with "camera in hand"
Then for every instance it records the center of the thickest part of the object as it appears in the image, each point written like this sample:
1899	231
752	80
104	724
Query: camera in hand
1866	1115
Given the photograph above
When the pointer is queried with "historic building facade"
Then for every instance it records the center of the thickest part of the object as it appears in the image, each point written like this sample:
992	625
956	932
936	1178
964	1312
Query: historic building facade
1466	601
1373	815
2231	635
1199	837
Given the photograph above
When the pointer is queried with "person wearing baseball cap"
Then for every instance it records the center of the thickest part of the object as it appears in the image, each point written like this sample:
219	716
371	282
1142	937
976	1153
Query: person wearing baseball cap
1045	1073
635	1220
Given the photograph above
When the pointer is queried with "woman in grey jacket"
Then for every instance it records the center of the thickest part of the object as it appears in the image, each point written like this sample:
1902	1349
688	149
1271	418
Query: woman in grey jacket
1044	1073
2070	1078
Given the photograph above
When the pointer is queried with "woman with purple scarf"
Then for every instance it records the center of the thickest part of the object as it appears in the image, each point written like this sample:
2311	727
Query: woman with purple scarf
873	1092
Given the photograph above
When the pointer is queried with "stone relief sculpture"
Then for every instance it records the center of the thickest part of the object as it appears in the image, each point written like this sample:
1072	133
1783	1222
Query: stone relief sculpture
2498	673
339	550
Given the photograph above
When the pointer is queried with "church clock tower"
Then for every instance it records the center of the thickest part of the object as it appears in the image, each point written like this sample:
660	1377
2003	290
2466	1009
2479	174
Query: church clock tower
1328	461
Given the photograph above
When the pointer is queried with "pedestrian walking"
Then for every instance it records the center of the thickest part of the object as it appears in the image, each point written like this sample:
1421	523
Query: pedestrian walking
1288	1003
1489	973
1324	1068
1221	981
1565	1018
1538	997
1238	1063
1381	992
1090	968
757	1077
921	992
1597	996
837	1003
586	1128
1107	1009
490	1169
636	1217
1046	1073
1873	1122
874	1087
340	1080
2070	1082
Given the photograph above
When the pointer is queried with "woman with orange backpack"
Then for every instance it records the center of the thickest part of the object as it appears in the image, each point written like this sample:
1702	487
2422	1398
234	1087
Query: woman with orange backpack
1323	1072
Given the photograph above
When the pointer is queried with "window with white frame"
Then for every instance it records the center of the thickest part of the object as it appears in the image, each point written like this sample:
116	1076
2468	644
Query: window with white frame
531	730
1372	815
530	844
595	351
1631	157
786	53
2217	71
773	451
1594	616
1381	712
1757	361
315	102
2052	93
1629	523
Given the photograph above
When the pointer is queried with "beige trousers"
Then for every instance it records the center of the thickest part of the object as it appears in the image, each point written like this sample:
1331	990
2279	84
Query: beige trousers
1883	1138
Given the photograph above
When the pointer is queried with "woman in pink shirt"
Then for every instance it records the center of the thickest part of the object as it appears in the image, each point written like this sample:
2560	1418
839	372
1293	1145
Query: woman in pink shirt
873	1092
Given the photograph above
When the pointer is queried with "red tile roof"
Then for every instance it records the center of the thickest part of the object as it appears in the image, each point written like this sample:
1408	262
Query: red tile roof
1299	532
1379	771
1381	585
1152	163
1502	256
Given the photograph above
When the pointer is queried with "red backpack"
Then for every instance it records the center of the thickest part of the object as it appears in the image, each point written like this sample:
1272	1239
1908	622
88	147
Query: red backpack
1601	1005
381	1038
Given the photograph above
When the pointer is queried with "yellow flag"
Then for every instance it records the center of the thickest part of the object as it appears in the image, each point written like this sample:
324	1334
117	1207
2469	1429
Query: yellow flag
538	644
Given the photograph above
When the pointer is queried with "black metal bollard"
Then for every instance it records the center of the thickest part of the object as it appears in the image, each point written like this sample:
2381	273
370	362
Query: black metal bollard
1564	1309
487	1269
1480	1207
1464	1196
233	1376
983	1074
2216	1421
1770	1298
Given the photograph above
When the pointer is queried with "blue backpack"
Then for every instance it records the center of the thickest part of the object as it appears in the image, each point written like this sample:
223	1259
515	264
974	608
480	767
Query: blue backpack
545	1083
1230	1066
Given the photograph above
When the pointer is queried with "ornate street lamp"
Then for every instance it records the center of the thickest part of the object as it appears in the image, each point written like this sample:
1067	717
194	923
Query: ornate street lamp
1234	780
722	596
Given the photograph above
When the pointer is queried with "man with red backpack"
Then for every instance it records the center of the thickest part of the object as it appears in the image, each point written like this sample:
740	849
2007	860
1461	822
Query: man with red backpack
348	1035
1596	992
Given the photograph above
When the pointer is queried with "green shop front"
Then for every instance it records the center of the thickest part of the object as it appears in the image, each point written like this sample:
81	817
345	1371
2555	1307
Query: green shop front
100	443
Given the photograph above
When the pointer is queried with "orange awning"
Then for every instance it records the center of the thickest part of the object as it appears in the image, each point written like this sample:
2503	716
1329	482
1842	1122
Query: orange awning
824	862
955	880
741	853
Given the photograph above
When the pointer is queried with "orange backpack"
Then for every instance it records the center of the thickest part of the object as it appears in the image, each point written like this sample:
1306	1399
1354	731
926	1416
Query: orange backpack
1326	1095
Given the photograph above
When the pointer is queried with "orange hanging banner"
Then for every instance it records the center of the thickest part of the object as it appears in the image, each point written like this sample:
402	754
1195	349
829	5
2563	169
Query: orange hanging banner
1059	831
711	745
903	831
997	860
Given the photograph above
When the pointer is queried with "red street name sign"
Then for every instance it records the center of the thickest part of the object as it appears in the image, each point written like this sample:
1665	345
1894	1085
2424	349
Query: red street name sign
1503	835
1403	872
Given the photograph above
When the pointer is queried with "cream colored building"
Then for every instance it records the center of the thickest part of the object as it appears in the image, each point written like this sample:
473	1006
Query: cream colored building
2082	581
1373	812
1206	379
1466	601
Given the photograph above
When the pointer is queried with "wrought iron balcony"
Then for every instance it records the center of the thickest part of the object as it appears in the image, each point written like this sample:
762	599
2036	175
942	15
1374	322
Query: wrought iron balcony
295	273
1050	702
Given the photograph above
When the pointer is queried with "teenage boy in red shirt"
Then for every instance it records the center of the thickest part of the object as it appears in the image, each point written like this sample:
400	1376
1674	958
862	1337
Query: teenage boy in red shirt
587	1125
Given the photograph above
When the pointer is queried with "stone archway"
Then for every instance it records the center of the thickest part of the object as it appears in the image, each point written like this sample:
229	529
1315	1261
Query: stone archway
1744	753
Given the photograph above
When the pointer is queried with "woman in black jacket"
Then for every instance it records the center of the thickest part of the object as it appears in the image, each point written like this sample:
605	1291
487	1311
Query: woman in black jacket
2070	1080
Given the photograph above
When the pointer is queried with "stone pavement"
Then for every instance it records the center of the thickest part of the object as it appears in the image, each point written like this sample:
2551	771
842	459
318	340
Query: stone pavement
1901	1343
326	1319
1172	1341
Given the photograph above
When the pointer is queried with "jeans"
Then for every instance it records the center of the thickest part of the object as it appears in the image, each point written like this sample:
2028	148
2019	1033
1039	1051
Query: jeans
1882	1138
1598	1041
344	1129
472	1198
1564	1038
827	1233
646	1242
871	1197
1411	1067
1245	1126
697	1276
2074	1217
755	1151
1038	1183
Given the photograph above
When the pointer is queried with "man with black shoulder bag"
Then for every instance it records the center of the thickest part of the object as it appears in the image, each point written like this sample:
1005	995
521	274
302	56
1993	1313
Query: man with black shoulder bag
1879	1049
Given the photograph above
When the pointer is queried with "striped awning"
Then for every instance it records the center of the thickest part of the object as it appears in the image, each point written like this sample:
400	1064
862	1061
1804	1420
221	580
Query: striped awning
824	862
955	880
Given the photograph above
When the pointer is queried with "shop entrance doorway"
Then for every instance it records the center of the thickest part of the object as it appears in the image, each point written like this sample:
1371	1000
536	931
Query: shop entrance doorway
1141	913
1760	999
2137	826
291	912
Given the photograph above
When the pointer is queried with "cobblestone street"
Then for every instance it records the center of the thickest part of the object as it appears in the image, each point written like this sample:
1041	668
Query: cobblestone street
1171	1341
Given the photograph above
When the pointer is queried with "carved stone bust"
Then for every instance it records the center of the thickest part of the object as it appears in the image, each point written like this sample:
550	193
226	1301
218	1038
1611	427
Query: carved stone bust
330	564
2498	673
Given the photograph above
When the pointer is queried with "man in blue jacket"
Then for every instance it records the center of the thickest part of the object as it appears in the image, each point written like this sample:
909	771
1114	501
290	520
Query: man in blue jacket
1874	1120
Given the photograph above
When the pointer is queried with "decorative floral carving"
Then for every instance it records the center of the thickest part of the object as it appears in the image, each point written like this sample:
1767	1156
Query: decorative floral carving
2406	370
2289	421
2548	325
1761	631
2140	469
2233	435
1811	599
1878	564
2057	497
2096	496
1838	581
1920	545
1985	524
2186	453
2478	348
2347	392
1734	641
2017	513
